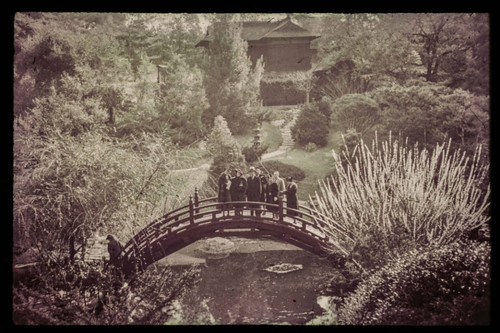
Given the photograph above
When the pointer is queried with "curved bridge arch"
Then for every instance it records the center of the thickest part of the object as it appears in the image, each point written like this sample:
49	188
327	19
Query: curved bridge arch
209	218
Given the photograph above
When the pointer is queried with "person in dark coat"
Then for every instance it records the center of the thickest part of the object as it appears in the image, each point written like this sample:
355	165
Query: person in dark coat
264	184
291	196
114	249
254	189
224	194
238	190
272	195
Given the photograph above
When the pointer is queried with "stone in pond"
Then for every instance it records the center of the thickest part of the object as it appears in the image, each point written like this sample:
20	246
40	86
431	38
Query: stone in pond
283	268
216	248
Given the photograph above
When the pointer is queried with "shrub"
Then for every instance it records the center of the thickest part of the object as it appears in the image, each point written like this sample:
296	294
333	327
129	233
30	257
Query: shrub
394	197
285	170
311	126
442	285
226	150
325	107
280	93
253	153
61	294
311	146
355	111
426	112
67	188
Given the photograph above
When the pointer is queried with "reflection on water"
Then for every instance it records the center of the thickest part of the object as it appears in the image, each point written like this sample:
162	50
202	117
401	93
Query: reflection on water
241	289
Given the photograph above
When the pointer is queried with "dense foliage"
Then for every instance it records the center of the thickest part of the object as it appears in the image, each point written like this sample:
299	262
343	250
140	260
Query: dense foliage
92	156
393	197
355	111
232	83
427	112
311	126
84	294
225	149
440	285
253	153
285	170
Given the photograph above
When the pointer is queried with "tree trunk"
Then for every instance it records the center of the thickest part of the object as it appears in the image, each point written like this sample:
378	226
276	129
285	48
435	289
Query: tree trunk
435	70
72	250
111	119
428	75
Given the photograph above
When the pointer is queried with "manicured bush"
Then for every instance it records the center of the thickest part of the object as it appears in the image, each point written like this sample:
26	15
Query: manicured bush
325	107
285	170
355	111
225	149
252	153
280	93
442	285
426	112
310	147
311	126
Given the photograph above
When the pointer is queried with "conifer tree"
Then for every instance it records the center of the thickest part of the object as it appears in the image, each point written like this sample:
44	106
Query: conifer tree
225	149
232	85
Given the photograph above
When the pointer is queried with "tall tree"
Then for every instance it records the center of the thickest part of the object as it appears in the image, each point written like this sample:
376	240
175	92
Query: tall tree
180	100
364	49
451	45
232	85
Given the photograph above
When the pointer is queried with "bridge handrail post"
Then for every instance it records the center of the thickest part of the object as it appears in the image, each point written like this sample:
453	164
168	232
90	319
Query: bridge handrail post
191	210
280	209
196	200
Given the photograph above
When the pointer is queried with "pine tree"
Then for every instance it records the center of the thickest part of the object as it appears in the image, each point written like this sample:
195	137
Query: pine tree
225	149
232	86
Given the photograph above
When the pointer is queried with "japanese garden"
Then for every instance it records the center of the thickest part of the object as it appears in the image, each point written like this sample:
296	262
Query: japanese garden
253	168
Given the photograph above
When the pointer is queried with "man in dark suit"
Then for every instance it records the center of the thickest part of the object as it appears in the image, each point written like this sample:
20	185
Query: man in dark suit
238	189
114	249
291	196
254	189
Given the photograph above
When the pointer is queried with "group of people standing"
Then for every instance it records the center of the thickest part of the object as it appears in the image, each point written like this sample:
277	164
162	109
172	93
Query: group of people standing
257	187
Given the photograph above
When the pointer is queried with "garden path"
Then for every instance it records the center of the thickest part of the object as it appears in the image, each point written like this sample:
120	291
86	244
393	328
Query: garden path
285	128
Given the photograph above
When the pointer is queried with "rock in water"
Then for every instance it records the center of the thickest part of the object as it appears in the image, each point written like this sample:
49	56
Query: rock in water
283	268
217	247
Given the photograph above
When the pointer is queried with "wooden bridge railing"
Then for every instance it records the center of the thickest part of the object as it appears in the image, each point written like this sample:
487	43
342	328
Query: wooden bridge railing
161	233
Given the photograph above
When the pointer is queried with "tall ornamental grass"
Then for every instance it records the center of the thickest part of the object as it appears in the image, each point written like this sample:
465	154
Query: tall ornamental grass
393	197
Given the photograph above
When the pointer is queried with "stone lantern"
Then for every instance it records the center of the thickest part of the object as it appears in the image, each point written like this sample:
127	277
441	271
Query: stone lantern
256	137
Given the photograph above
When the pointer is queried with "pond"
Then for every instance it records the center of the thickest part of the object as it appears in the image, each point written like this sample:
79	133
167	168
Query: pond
260	282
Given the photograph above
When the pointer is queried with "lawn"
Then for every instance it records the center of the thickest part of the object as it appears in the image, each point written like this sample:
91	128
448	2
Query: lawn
316	164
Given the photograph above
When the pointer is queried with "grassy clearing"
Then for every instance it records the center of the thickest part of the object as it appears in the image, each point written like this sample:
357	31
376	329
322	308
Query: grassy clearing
316	164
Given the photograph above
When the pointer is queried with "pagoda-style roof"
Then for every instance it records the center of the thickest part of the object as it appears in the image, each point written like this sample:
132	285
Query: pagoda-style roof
261	30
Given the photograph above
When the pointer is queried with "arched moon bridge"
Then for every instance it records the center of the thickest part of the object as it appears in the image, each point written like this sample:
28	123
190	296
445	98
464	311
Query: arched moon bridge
210	218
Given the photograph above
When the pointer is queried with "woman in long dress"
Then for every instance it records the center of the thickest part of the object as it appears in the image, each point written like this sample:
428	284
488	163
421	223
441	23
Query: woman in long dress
291	196
224	194
272	195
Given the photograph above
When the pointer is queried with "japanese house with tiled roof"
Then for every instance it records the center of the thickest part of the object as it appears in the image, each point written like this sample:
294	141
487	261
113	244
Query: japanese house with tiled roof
284	46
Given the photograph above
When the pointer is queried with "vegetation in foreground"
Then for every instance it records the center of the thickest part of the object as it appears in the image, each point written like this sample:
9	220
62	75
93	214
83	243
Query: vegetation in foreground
404	217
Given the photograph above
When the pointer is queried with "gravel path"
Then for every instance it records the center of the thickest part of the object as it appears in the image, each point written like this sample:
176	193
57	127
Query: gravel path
286	134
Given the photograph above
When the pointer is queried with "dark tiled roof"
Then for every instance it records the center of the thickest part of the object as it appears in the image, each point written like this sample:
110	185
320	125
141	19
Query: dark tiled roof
257	30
